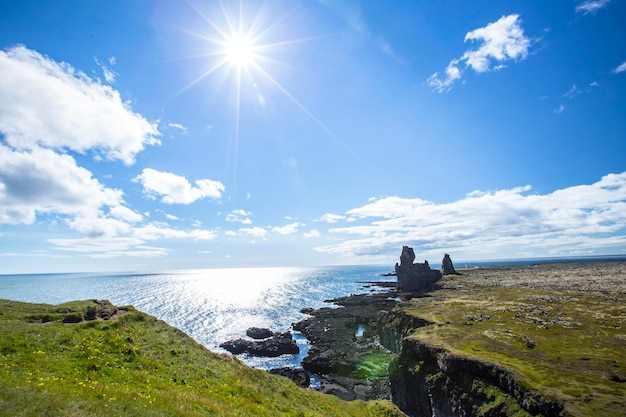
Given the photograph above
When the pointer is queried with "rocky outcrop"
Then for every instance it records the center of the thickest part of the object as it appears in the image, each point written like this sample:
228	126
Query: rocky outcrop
414	277
299	376
336	351
428	381
279	344
259	333
447	268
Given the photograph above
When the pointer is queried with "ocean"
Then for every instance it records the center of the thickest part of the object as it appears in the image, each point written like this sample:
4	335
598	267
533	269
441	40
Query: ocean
216	305
210	305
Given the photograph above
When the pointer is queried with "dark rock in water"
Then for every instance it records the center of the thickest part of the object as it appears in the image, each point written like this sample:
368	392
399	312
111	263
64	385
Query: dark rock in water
447	268
259	333
299	376
414	277
279	344
237	346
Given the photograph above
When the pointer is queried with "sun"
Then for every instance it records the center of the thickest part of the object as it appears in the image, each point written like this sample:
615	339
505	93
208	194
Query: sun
240	50
242	46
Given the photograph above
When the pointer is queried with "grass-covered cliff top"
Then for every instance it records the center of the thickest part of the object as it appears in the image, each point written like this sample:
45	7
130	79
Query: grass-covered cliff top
566	345
135	365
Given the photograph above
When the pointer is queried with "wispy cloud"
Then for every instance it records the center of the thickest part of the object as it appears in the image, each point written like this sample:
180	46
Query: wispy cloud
331	218
179	127
573	92
498	224
500	41
175	189
109	74
620	68
560	109
591	6
239	216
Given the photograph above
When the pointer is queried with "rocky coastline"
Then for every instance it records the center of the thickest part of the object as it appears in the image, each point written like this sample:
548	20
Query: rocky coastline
368	346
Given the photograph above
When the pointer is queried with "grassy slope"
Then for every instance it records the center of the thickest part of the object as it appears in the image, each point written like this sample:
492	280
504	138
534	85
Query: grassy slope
136	365
568	346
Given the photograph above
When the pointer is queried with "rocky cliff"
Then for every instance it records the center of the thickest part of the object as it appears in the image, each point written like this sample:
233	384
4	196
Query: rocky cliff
428	381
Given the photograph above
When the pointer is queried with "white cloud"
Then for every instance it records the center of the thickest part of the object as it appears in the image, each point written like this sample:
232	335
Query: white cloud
620	68
287	229
52	105
40	181
560	109
492	225
254	231
331	218
109	74
239	216
501	41
126	214
572	92
179	127
175	189
311	234
156	231
172	217
591	6
109	247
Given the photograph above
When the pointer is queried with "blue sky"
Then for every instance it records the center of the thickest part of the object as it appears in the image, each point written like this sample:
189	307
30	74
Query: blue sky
153	135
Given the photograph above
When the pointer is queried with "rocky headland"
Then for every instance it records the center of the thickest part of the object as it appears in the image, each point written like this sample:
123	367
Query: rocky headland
501	341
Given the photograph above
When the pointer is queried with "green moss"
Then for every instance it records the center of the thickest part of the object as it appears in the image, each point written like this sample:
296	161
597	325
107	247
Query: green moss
568	346
136	365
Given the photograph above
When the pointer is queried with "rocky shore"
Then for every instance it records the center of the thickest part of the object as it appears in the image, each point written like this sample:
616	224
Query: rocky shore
429	375
494	341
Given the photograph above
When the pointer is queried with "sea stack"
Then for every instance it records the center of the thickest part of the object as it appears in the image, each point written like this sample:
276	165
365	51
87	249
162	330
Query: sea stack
446	266
414	277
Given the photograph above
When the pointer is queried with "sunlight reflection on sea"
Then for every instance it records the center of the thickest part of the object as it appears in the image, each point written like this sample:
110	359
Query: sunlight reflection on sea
210	305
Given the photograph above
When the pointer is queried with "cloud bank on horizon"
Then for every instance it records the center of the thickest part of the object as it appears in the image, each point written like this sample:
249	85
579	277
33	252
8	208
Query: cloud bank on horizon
485	224
87	173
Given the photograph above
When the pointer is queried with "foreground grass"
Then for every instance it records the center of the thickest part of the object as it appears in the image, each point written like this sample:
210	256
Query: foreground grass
568	346
136	365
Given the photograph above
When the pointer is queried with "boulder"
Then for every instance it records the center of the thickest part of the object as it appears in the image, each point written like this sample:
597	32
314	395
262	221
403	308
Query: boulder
414	277
447	268
279	344
299	376
259	333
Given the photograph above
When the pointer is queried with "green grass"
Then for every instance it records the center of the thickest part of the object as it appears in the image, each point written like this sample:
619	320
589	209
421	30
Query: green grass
136	365
568	346
374	366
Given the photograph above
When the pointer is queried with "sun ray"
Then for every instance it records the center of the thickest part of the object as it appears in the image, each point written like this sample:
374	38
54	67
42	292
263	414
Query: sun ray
301	106
243	50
